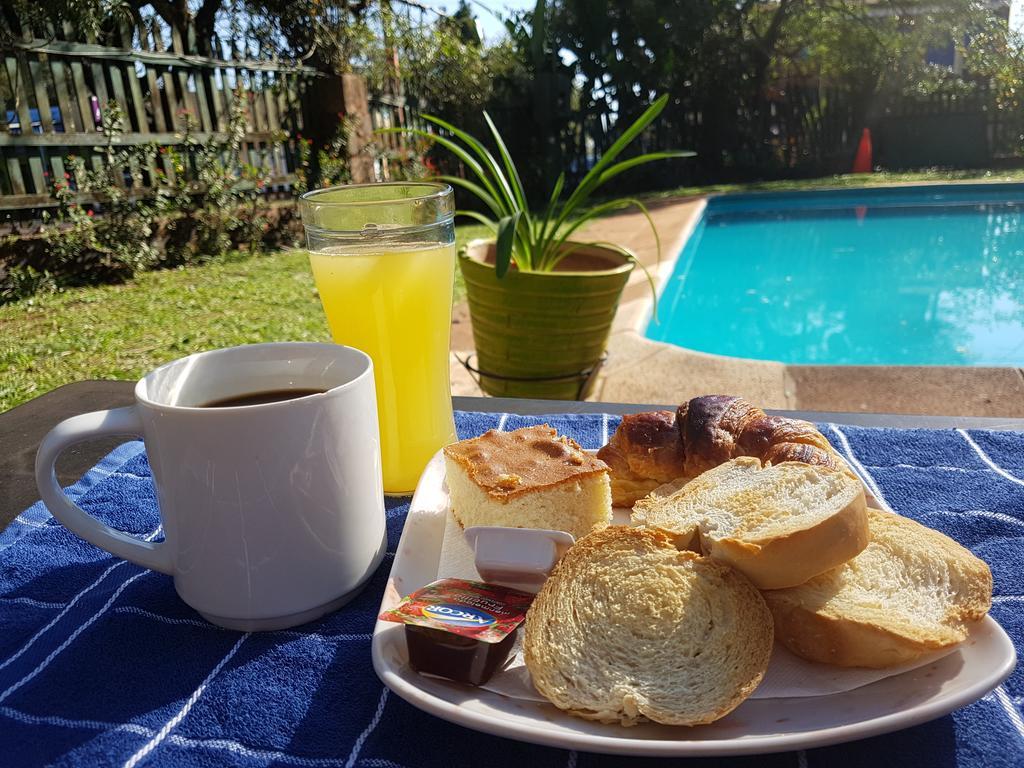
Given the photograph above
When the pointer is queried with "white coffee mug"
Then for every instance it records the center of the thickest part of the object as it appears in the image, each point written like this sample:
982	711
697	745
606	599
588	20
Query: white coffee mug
273	514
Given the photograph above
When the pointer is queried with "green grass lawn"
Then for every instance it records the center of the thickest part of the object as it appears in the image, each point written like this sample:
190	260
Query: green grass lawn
122	331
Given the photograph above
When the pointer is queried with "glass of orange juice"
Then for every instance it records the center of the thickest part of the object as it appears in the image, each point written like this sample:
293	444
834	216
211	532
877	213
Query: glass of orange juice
383	257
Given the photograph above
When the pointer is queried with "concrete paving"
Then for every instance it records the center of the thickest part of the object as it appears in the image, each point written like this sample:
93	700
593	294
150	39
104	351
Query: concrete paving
639	370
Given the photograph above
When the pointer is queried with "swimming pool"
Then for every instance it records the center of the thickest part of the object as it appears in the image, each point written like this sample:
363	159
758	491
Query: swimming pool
928	275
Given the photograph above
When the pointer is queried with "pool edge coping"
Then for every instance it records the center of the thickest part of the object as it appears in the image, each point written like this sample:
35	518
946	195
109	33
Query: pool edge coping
635	315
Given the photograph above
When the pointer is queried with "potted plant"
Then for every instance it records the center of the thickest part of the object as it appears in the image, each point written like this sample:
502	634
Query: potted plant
541	301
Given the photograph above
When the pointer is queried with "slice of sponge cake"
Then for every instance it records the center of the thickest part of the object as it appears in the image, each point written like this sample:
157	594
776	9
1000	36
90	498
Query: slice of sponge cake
529	478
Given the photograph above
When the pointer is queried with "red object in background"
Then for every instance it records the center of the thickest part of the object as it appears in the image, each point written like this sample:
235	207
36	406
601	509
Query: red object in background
862	161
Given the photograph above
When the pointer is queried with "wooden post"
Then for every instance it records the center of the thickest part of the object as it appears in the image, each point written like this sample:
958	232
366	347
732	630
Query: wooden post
357	112
330	99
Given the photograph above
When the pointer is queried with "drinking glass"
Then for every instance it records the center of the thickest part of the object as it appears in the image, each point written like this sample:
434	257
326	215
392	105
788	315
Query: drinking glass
383	257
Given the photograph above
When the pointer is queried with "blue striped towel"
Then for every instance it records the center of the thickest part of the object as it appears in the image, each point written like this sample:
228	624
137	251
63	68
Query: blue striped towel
102	664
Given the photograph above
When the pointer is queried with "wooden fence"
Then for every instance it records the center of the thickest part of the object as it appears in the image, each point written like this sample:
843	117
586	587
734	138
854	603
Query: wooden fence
388	111
55	87
963	130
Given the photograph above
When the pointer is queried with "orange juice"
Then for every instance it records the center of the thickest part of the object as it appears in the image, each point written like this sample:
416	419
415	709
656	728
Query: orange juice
396	306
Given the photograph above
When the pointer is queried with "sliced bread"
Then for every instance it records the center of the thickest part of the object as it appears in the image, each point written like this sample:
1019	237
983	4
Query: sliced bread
629	628
779	525
912	590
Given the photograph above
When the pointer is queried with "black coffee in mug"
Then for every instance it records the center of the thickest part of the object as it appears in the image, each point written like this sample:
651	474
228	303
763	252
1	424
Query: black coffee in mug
260	398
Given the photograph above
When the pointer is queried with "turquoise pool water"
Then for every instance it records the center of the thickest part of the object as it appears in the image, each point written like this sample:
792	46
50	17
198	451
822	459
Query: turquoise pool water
898	276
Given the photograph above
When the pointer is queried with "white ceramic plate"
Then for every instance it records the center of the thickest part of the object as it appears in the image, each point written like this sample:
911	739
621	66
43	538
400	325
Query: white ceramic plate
756	726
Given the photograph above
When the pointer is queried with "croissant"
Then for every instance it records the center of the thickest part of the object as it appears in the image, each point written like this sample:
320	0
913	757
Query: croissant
658	447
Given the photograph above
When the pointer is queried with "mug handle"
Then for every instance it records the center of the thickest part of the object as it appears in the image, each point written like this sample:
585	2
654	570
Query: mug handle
118	421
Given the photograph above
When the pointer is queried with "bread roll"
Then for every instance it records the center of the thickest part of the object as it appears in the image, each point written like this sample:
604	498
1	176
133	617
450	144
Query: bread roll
629	628
912	590
778	525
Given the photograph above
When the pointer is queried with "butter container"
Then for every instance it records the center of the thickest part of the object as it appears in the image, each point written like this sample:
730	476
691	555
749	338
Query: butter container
520	558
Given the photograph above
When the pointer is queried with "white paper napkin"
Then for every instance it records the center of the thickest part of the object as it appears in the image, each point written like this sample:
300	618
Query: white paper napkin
788	675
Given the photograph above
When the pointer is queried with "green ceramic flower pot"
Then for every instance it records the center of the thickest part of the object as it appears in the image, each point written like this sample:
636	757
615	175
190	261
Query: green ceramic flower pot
541	334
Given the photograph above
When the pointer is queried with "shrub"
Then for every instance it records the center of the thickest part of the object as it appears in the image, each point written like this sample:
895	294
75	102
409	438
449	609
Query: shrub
215	200
108	239
20	281
104	231
204	199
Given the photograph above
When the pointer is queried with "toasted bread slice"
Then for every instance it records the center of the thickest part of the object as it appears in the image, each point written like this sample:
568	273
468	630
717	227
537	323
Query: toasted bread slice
779	525
629	628
912	590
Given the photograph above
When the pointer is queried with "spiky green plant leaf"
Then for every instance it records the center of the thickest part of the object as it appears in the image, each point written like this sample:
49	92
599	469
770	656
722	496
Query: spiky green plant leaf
489	223
538	243
506	242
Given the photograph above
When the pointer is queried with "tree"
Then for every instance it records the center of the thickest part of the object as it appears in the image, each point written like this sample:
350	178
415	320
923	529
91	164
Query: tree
17	16
463	24
328	35
725	61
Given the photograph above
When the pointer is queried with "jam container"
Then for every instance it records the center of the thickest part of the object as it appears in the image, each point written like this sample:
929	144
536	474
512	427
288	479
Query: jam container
459	629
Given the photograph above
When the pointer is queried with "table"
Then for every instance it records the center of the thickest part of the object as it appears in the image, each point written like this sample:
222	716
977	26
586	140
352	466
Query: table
23	427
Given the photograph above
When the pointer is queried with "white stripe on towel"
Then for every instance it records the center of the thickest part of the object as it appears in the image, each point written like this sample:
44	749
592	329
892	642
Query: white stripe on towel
984	457
71	638
230	745
1008	598
501	422
60	615
271	756
171	724
864	474
1011	711
71	605
943	467
357	747
998	516
32	601
604	430
63	722
98	473
206	625
167	619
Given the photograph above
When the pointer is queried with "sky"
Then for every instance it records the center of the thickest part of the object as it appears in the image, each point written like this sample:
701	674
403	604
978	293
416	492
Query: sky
492	27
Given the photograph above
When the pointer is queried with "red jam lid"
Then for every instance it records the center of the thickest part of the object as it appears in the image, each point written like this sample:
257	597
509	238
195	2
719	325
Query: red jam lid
484	612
